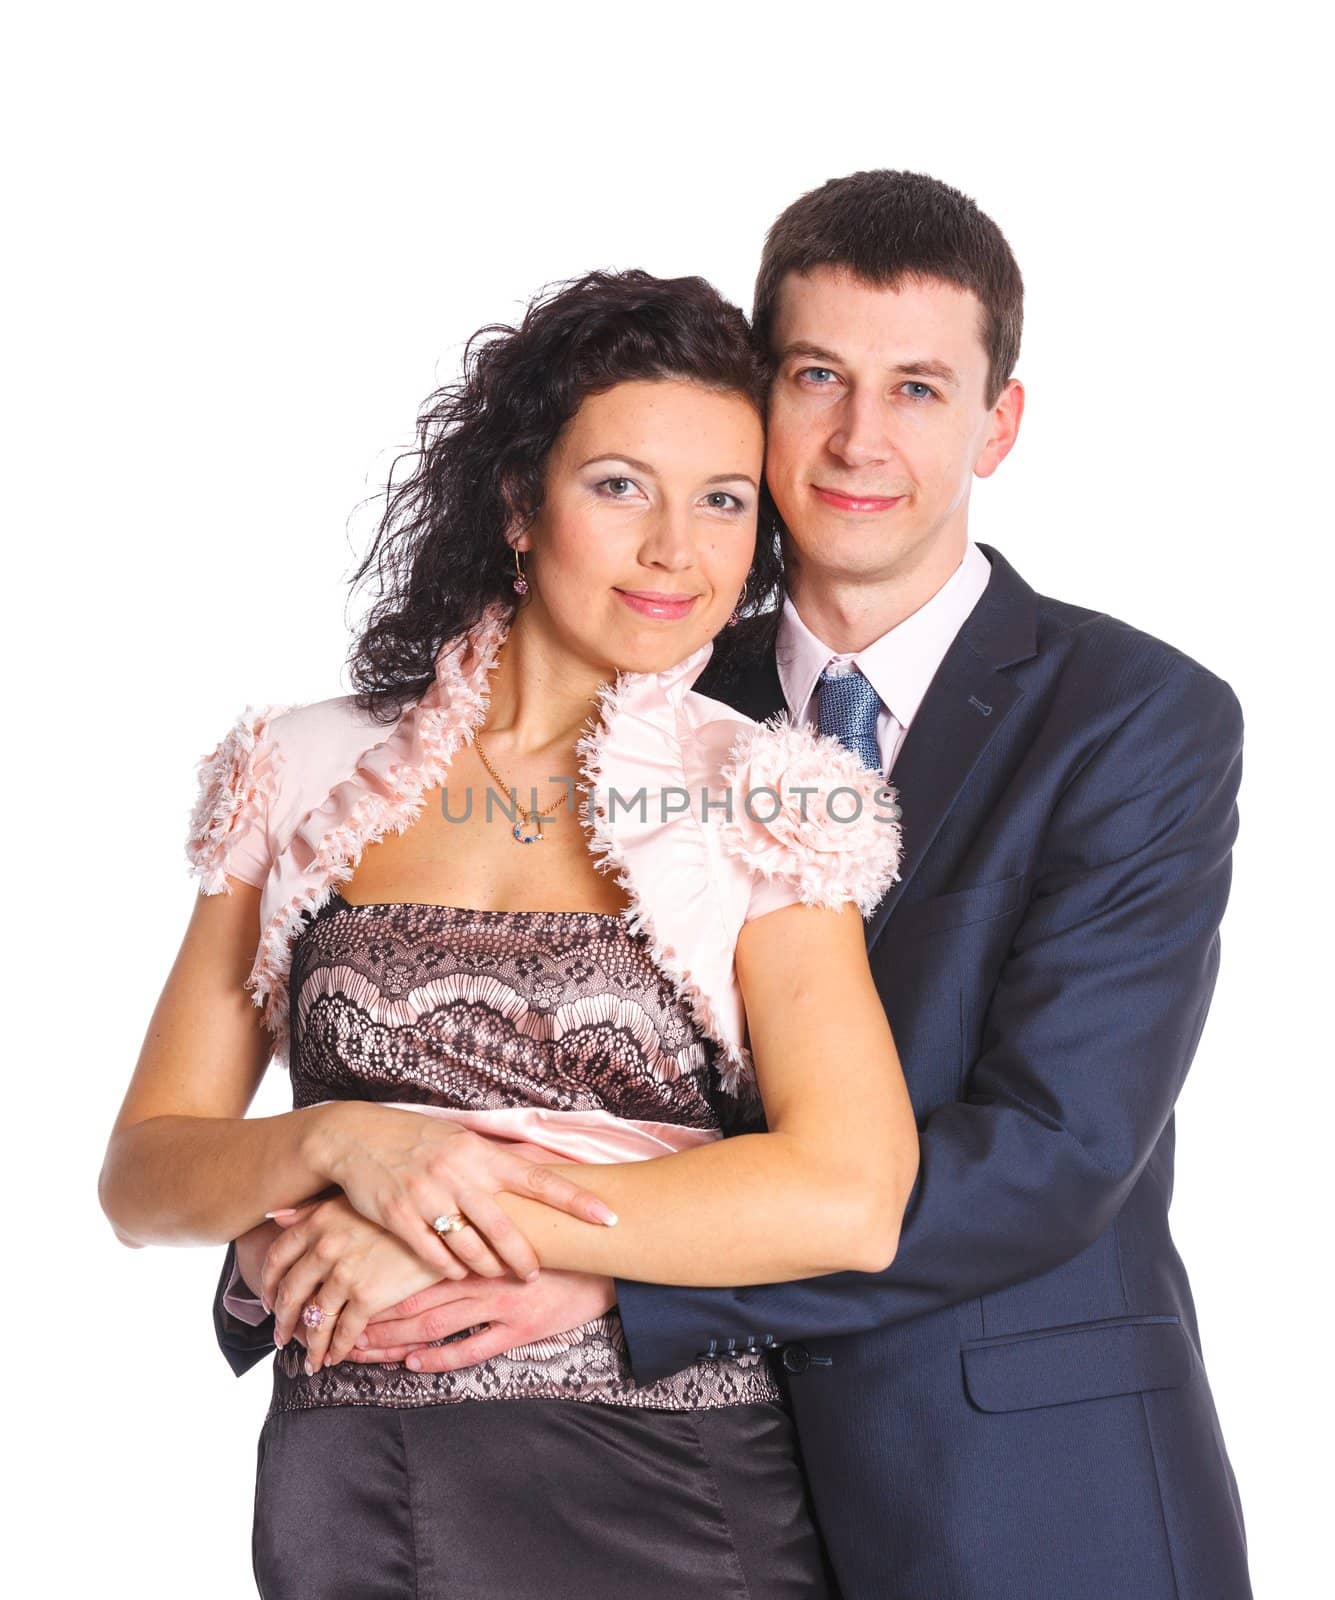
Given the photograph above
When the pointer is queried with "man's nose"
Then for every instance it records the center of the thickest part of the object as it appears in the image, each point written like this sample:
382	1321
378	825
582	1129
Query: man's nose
860	437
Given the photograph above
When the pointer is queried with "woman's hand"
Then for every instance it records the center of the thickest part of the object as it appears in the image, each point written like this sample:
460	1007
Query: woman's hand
402	1169
328	1252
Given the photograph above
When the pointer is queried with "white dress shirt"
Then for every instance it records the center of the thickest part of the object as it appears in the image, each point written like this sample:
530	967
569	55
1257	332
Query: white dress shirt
900	665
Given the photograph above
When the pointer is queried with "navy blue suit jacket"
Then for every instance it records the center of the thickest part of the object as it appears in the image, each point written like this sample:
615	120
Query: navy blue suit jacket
1017	1408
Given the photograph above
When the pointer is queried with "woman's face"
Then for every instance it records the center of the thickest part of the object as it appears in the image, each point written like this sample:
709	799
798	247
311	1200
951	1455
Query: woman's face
651	491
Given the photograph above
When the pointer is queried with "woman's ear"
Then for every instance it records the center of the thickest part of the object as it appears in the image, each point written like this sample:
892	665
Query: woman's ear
518	534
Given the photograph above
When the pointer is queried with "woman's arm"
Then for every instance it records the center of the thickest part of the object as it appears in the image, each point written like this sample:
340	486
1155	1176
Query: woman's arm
824	1190
184	1165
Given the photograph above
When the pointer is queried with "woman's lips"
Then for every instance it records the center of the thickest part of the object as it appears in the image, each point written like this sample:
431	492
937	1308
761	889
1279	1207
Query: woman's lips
848	502
667	608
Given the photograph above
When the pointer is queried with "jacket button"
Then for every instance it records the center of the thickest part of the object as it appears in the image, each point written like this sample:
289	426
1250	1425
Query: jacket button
796	1358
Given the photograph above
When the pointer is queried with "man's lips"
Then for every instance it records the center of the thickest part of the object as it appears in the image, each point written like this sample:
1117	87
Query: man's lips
650	603
860	502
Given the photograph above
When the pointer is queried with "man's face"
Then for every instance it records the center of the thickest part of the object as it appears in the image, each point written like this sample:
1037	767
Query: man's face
878	421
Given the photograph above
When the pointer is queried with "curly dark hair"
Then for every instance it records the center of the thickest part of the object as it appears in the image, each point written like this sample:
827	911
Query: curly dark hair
440	555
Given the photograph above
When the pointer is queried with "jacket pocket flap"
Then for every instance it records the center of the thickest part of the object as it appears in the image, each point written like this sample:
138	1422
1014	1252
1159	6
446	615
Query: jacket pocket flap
1083	1362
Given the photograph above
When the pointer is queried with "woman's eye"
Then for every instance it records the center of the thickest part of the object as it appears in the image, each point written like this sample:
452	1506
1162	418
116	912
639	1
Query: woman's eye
717	497
619	488
919	391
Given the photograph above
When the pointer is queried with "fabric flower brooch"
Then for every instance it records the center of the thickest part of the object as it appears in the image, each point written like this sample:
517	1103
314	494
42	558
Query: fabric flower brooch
236	779
802	807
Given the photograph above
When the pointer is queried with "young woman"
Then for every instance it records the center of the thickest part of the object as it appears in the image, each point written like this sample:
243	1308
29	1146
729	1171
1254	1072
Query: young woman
587	975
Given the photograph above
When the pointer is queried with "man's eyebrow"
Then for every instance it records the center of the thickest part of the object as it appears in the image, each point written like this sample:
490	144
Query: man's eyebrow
643	466
920	367
925	367
800	347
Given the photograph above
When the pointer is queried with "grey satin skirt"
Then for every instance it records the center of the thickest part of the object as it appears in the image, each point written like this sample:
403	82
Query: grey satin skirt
533	1500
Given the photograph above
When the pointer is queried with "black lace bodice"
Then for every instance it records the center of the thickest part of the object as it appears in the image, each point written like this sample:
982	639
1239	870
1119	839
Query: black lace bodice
487	1009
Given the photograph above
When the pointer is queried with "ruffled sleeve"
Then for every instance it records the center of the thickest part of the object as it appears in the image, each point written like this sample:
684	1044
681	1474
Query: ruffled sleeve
237	785
809	820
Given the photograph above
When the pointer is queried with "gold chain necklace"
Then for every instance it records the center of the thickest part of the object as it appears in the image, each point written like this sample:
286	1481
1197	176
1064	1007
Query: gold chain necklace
523	835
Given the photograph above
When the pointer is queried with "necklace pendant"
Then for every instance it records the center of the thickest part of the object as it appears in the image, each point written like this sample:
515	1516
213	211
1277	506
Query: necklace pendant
528	831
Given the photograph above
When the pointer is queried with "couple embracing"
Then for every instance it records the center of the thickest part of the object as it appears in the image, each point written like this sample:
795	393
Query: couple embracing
715	1168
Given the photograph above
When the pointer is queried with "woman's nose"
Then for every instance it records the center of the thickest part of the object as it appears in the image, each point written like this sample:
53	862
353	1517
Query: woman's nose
670	541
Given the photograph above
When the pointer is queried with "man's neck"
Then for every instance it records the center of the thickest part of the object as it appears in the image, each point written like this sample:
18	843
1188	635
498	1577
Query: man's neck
848	614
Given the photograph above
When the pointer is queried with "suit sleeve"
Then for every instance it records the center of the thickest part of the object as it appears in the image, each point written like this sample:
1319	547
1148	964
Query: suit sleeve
242	1343
1087	1040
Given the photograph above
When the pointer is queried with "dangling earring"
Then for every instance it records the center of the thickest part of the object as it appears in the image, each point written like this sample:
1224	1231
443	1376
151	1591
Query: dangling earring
736	617
520	585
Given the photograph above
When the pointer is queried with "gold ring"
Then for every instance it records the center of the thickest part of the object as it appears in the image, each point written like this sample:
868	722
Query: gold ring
451	1224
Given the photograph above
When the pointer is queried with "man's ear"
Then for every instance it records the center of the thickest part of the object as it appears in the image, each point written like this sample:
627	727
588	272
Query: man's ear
1004	429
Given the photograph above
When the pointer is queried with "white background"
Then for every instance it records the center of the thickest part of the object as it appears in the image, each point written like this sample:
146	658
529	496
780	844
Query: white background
245	242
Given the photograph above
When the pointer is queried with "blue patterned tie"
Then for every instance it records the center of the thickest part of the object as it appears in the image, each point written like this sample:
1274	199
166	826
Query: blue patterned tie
848	707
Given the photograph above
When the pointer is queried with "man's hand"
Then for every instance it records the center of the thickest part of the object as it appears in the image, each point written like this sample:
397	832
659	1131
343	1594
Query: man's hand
516	1314
251	1249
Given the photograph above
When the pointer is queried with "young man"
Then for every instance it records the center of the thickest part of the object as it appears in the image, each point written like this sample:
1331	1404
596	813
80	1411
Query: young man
1017	1408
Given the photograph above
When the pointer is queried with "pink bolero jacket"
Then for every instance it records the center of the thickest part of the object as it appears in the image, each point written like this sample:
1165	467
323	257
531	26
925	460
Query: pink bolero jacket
292	796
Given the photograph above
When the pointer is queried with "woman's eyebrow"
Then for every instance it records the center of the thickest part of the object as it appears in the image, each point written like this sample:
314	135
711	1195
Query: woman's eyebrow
615	455
643	466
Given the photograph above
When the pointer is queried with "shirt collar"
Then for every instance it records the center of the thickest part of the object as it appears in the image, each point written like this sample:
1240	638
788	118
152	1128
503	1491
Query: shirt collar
901	664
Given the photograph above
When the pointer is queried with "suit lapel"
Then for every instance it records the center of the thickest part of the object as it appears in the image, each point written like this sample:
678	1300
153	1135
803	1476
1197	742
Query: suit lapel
958	719
755	691
961	713
968	700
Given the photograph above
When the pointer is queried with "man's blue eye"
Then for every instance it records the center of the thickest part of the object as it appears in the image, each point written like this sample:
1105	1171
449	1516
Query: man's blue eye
808	371
919	391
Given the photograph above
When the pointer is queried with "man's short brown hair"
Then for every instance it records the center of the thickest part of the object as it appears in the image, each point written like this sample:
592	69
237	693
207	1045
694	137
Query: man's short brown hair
886	227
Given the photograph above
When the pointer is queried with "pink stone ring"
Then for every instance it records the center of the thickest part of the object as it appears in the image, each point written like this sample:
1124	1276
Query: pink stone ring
313	1315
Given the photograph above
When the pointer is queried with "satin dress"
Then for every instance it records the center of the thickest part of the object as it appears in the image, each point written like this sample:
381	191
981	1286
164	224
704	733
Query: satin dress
546	1472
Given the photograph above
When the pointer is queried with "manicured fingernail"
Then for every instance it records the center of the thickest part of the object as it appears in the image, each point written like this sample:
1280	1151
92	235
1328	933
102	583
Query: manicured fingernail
277	1339
415	1362
605	1214
310	1370
532	1277
283	1211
